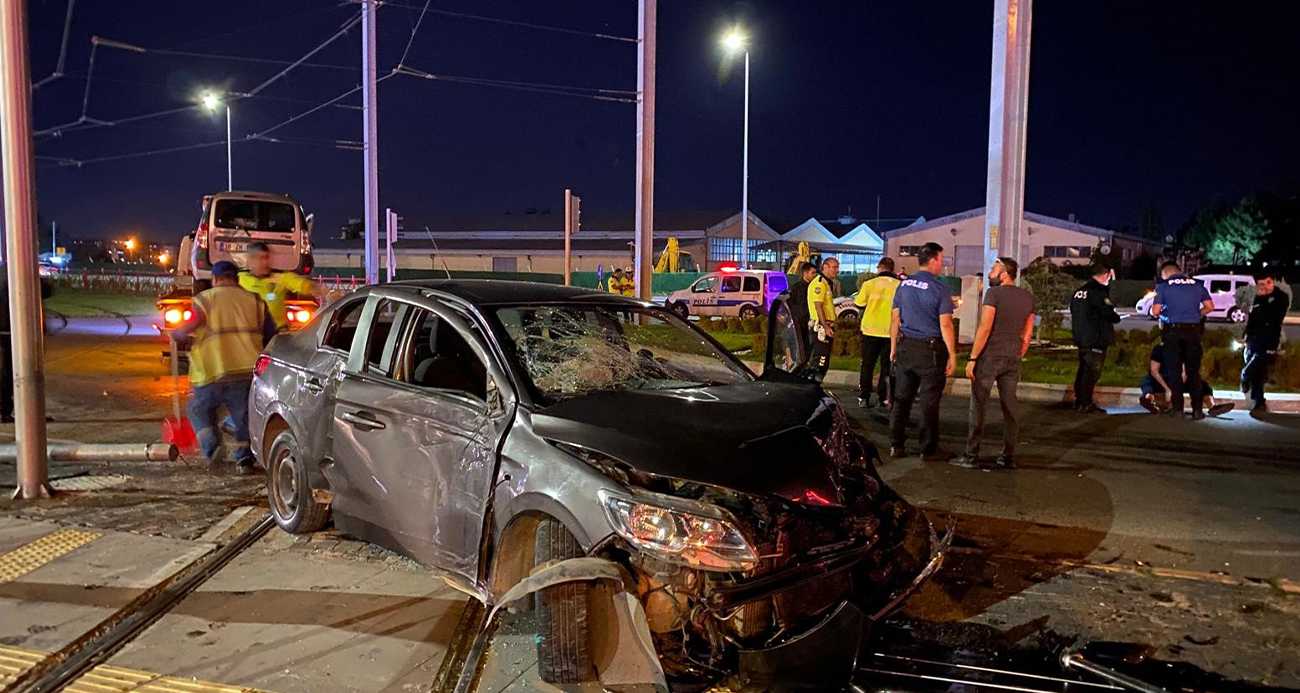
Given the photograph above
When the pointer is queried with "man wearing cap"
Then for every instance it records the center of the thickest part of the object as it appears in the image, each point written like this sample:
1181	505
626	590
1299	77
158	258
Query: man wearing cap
876	299
1181	304
821	317
923	349
230	326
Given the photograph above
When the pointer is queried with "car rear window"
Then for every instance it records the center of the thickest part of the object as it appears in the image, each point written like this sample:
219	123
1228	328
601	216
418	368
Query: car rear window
255	215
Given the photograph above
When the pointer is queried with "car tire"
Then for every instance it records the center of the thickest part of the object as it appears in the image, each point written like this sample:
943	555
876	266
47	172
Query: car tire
1238	315
288	488
563	633
850	316
681	310
748	312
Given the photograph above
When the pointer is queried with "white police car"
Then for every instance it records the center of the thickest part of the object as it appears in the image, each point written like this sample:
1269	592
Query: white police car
729	293
1223	292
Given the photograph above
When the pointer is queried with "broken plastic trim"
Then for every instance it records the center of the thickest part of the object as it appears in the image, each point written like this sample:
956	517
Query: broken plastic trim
582	569
1073	660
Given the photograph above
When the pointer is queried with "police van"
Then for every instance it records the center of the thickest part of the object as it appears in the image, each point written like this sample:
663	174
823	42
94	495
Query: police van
729	293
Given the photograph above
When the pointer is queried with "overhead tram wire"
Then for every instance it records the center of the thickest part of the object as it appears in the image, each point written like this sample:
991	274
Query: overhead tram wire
414	30
596	93
63	50
512	22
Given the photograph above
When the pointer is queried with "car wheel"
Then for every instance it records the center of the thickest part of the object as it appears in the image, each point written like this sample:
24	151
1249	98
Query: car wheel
850	316
1237	315
289	490
681	310
563	638
748	312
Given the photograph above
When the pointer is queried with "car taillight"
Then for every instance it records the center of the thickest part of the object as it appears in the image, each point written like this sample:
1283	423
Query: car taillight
202	236
302	315
187	314
173	316
260	365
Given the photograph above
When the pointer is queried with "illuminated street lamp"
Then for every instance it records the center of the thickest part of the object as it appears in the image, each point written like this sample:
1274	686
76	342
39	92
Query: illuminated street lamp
164	258
129	244
212	102
735	42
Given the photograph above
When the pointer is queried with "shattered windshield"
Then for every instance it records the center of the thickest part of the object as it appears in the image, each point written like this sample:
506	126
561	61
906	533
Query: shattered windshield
570	351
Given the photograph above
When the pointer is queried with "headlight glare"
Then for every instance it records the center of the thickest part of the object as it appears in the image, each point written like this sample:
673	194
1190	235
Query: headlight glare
694	534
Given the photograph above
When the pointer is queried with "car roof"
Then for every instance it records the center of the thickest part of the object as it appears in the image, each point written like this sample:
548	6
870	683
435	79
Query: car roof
251	195
496	292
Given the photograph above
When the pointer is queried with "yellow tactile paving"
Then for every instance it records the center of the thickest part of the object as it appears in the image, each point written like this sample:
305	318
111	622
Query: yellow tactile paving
108	679
37	553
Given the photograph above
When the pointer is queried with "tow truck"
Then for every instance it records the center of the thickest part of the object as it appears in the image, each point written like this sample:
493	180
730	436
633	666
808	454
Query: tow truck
229	222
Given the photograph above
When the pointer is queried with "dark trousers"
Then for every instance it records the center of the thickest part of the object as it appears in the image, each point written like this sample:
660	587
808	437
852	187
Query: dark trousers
1085	379
207	401
918	369
7	376
820	354
1005	371
1255	371
1183	352
874	350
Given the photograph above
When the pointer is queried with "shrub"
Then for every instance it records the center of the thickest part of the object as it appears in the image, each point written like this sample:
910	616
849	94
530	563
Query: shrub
755	325
1217	338
1052	290
1221	363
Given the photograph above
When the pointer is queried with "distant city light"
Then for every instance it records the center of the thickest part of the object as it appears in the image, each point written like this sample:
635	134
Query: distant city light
164	258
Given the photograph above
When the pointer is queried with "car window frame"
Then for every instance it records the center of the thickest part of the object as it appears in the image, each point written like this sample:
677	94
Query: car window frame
407	344
757	283
335	316
717	279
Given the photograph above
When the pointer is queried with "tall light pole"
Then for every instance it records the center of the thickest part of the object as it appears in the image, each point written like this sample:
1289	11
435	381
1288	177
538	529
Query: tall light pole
735	42
212	102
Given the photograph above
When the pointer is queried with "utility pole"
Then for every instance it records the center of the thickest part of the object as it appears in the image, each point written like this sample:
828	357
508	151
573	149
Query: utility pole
54	238
1008	114
24	284
370	138
572	224
645	148
744	195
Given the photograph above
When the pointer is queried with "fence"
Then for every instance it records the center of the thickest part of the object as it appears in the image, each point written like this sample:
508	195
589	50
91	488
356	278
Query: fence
118	281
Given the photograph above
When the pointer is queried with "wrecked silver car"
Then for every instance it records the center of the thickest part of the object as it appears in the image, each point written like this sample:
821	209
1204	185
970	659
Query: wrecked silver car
490	429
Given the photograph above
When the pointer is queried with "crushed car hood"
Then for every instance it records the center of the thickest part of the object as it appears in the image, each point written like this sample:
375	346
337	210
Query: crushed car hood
757	437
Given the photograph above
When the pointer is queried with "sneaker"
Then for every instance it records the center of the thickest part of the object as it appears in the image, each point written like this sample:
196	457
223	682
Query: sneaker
936	456
1197	415
1091	409
864	402
1258	405
1221	409
897	452
248	467
1149	405
1005	461
965	461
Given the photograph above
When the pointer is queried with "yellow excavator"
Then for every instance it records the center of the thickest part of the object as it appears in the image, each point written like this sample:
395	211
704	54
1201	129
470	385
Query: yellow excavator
674	259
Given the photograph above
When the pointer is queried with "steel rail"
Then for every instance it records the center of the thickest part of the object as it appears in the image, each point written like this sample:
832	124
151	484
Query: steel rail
61	669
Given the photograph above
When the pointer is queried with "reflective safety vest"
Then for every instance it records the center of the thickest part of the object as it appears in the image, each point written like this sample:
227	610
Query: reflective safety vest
275	289
625	286
230	339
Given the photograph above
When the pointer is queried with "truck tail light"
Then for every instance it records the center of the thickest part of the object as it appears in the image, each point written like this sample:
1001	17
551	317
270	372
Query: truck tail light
173	316
260	365
187	314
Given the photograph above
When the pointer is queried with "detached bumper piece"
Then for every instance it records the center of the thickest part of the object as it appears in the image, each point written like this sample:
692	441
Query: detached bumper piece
821	659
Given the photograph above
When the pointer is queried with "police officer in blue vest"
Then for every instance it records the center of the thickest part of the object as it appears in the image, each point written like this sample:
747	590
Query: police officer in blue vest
1182	303
923	349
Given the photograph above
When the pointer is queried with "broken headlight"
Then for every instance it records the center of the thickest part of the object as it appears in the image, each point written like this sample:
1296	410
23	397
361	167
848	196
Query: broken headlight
679	531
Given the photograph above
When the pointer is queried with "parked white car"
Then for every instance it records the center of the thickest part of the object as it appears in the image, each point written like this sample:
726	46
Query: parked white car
1223	291
729	293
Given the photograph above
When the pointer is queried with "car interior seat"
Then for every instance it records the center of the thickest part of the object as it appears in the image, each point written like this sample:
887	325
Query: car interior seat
446	362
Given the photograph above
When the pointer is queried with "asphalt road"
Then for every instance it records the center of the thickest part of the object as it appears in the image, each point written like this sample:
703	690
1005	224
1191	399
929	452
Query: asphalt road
1214	495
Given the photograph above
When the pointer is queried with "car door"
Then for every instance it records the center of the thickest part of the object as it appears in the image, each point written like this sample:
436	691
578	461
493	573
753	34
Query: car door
704	295
752	291
787	355
1221	295
427	432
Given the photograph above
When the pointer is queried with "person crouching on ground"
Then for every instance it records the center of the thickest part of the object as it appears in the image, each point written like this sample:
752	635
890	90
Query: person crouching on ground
1157	395
230	327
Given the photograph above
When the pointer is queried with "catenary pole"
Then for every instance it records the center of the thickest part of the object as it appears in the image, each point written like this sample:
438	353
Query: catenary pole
645	148
1008	116
20	220
744	195
370	138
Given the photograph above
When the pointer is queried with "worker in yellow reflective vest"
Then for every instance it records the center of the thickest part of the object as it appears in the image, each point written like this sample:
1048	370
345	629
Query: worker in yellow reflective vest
230	327
275	287
621	284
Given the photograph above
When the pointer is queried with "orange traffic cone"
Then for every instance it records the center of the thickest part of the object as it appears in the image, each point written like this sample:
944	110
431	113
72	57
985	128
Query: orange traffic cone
176	429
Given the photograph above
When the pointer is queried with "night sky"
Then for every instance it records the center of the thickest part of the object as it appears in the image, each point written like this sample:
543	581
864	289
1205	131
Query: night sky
1170	104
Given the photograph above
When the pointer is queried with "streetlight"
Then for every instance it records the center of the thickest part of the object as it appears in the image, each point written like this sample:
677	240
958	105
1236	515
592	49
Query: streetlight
212	102
130	248
735	42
